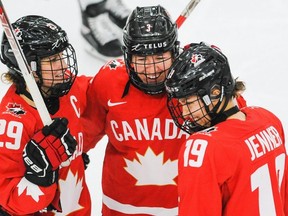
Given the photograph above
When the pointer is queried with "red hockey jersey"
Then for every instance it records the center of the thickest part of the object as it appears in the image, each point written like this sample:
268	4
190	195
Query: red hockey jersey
18	123
140	164
235	168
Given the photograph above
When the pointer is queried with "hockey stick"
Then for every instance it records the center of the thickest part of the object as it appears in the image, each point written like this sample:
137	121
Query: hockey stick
24	67
186	12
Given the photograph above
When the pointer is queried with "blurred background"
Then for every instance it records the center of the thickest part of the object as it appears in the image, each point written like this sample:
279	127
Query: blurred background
252	34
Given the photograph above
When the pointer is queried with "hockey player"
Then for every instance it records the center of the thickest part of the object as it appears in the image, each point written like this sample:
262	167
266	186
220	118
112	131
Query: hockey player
128	104
234	162
140	164
41	169
102	24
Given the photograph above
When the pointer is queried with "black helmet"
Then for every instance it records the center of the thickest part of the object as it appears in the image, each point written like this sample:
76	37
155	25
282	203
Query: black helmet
39	38
149	31
197	71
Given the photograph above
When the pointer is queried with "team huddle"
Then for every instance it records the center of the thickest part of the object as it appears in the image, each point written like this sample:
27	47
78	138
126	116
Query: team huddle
181	138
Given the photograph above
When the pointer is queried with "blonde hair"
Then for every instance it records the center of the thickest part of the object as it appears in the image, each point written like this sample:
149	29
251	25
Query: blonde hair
15	79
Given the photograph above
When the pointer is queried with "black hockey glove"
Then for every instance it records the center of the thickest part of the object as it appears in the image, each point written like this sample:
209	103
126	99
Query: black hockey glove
47	149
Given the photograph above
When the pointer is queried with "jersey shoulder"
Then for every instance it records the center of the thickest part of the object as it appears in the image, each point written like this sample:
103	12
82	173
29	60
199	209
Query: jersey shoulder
113	68
81	83
255	113
14	108
112	77
78	92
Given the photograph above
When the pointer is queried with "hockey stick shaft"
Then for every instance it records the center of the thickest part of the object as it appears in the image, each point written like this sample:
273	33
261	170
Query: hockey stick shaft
186	12
24	67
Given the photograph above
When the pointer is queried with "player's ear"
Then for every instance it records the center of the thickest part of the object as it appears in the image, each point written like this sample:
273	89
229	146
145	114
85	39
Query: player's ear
215	92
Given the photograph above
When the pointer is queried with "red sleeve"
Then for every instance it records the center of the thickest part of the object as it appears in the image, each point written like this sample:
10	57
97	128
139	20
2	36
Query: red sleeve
94	115
286	189
18	195
285	183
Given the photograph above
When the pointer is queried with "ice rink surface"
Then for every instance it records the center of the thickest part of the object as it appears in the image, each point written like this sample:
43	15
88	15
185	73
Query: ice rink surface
253	35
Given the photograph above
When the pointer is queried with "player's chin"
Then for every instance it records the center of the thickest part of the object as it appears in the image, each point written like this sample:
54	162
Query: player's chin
200	121
160	79
155	82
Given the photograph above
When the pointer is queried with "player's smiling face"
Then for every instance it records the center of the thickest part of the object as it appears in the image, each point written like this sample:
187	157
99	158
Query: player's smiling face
152	69
54	71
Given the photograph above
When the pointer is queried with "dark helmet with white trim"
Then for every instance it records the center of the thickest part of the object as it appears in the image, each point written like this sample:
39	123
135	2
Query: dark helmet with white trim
149	31
198	71
40	38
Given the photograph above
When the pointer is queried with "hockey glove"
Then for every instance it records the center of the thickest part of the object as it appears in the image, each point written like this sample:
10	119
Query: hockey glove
47	149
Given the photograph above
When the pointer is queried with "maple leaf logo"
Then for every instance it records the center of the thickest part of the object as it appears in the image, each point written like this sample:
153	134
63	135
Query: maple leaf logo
150	169
197	59
70	197
15	109
32	190
113	64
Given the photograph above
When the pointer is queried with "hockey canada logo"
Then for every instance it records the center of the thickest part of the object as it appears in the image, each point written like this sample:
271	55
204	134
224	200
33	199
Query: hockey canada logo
15	110
197	59
18	33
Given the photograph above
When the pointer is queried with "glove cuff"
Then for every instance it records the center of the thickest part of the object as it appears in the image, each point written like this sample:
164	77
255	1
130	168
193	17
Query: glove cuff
46	181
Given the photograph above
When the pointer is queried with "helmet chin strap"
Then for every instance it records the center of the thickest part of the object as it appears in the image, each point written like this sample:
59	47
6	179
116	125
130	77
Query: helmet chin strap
126	89
220	117
52	104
